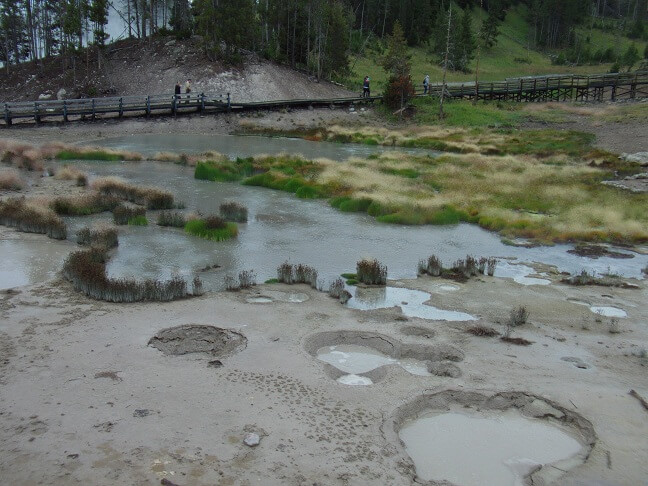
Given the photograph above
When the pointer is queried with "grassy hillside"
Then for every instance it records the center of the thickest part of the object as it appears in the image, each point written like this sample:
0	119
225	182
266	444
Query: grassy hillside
510	57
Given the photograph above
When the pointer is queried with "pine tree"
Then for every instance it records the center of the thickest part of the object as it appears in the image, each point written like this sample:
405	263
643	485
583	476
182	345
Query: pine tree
465	49
630	57
489	30
181	22
396	63
98	15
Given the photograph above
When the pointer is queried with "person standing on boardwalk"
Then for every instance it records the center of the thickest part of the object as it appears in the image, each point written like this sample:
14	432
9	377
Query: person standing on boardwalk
366	91
188	89
426	84
178	90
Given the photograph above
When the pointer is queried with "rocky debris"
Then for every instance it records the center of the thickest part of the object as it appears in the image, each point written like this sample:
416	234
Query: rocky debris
640	158
61	93
141	412
578	363
44	96
252	439
216	363
595	251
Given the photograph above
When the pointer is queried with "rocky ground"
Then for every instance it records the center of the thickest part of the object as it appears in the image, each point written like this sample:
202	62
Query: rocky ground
154	66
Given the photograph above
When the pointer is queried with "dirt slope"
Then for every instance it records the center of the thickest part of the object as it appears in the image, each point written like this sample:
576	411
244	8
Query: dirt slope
153	67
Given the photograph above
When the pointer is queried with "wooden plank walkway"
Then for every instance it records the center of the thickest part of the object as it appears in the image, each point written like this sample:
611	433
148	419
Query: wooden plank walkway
600	87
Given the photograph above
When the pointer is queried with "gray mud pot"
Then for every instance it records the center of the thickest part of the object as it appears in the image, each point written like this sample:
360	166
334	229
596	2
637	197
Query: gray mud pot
506	439
195	338
361	358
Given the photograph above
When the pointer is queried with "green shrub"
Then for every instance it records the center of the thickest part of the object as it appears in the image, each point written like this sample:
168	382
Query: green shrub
138	221
198	227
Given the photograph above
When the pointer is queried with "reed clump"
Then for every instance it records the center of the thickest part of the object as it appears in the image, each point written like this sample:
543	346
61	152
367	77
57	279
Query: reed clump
151	197
336	288
212	228
233	211
461	270
69	173
72	152
482	331
104	236
86	270
123	214
11	181
432	266
171	218
371	272
84	204
30	218
294	274
246	279
21	155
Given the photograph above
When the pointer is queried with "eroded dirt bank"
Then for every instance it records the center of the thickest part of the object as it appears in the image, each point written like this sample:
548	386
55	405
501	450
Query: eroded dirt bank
86	400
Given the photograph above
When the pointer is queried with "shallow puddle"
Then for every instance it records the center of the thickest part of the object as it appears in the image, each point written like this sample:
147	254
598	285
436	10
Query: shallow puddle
354	359
606	311
477	450
30	260
354	380
519	273
410	301
258	300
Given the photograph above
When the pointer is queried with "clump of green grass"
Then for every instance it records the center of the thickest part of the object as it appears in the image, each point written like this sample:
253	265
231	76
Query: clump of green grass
233	211
104	236
124	214
224	170
212	228
272	281
351	205
461	113
171	218
30	218
138	221
371	272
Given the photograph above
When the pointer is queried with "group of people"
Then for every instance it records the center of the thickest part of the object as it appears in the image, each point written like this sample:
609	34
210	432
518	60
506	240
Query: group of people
178	89
366	89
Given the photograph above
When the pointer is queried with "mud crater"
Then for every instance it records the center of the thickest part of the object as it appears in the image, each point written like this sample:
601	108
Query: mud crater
198	338
418	359
499	408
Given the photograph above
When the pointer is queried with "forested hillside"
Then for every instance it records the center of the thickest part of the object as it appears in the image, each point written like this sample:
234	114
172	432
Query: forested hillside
344	39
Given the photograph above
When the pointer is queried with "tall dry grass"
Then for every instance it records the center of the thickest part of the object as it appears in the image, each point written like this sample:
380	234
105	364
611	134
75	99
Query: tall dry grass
69	173
31	218
151	197
10	180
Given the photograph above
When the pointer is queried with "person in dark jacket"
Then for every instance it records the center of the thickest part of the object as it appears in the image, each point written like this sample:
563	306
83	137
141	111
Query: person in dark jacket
178	90
366	90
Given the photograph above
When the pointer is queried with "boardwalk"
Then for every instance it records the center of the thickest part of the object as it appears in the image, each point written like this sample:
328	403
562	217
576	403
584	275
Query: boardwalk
613	87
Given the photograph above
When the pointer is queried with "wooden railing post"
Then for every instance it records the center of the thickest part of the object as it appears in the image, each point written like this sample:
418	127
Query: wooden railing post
121	107
202	102
94	108
36	115
148	105
7	115
174	105
229	103
65	117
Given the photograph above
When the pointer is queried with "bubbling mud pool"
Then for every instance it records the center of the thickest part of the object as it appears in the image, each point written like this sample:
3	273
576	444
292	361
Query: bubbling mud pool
476	450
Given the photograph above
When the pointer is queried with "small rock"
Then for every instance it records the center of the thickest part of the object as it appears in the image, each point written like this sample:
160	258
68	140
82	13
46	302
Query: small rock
73	456
310	108
141	412
217	363
61	93
345	295
44	96
252	440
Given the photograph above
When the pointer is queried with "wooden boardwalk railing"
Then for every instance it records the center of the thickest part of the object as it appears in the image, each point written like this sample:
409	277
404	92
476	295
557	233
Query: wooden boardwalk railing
528	89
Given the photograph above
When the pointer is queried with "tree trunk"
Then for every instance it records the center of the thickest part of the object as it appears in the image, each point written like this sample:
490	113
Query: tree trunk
445	64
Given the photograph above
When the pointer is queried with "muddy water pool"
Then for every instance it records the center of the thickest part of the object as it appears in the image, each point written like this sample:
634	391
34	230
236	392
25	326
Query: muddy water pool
32	260
282	227
476	450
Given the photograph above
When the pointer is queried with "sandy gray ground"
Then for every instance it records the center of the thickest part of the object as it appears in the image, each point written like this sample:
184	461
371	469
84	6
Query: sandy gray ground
85	400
